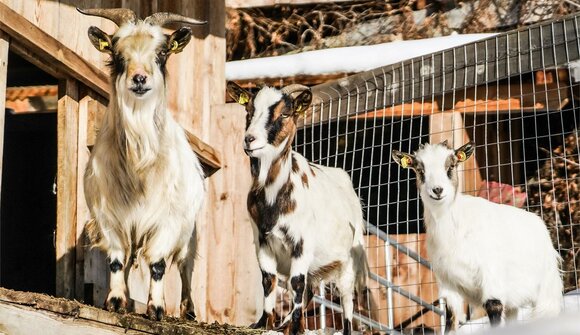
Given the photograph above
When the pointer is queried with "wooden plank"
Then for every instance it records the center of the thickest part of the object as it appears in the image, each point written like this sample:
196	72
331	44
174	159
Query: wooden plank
208	156
23	320
66	199
57	55
527	97
27	313
450	127
227	269
406	273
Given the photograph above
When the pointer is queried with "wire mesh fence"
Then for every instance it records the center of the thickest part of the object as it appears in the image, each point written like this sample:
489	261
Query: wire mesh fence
515	95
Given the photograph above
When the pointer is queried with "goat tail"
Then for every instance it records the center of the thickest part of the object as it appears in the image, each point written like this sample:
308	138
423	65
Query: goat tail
549	302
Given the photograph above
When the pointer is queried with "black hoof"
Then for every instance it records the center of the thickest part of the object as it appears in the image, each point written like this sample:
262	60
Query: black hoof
187	312
155	313
116	304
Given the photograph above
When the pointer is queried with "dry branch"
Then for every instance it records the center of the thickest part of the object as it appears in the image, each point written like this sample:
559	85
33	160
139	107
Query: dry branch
555	195
272	31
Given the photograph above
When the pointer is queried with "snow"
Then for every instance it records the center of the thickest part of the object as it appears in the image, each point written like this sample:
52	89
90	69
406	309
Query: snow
343	60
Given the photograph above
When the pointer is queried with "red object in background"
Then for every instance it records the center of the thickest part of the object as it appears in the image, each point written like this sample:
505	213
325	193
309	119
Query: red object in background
502	193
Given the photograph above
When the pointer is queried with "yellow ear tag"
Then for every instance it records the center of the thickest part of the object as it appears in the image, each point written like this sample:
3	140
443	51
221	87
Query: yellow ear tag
406	162
461	156
243	99
103	44
174	45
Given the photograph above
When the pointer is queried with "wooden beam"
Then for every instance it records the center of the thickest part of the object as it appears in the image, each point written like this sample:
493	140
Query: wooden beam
60	58
207	155
23	313
66	199
525	97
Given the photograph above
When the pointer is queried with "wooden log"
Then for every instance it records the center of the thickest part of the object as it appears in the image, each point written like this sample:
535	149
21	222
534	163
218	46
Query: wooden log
66	207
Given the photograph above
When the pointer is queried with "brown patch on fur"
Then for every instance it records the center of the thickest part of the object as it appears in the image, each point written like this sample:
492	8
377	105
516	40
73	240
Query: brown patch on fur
287	131
312	170
325	271
295	167
305	180
271	320
276	167
278	109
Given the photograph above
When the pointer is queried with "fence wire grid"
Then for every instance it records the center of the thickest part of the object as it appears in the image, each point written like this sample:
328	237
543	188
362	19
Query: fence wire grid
515	95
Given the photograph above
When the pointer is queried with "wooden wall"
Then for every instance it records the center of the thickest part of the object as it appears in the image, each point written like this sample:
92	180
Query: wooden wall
196	91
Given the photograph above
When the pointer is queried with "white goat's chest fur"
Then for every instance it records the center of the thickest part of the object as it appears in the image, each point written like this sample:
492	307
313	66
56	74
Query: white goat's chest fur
477	247
144	190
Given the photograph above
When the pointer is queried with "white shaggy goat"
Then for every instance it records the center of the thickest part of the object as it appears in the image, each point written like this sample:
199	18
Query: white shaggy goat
308	216
143	184
496	256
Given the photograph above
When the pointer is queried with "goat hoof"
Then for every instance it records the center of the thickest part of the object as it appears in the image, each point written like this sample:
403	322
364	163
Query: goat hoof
155	313
186	310
116	304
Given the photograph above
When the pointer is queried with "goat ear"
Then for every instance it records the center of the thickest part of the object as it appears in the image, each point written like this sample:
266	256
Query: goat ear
237	93
404	160
445	143
178	40
302	102
100	40
465	151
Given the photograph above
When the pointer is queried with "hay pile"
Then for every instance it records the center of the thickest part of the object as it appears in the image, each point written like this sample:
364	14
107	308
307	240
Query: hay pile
556	197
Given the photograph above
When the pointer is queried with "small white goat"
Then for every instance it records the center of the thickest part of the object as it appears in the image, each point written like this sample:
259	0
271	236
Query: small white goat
143	184
308	216
496	256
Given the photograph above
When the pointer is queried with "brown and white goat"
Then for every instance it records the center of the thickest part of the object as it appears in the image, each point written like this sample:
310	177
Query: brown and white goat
309	218
143	184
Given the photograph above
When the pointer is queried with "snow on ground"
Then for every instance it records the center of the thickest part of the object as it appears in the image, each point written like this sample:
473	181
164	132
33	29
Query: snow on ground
339	60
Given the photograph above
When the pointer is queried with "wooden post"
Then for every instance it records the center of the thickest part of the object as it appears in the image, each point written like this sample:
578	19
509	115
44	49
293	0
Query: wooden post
227	282
66	199
449	126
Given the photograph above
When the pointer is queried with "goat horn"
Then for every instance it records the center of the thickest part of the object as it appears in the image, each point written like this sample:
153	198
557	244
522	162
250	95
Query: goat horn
294	88
117	15
159	19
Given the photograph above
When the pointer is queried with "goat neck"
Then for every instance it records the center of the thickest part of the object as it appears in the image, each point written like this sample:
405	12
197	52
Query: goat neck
272	172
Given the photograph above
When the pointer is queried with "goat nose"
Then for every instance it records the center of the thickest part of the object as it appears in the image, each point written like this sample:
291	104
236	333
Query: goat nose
249	139
437	190
139	79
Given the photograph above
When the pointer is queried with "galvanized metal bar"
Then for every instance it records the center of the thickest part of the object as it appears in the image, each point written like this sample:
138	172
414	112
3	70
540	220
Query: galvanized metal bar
371	228
405	293
361	318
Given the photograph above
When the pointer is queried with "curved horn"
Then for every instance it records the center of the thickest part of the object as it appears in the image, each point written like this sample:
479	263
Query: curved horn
159	19
292	88
117	15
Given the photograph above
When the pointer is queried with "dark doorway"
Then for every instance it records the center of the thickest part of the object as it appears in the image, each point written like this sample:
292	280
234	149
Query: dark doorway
28	204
